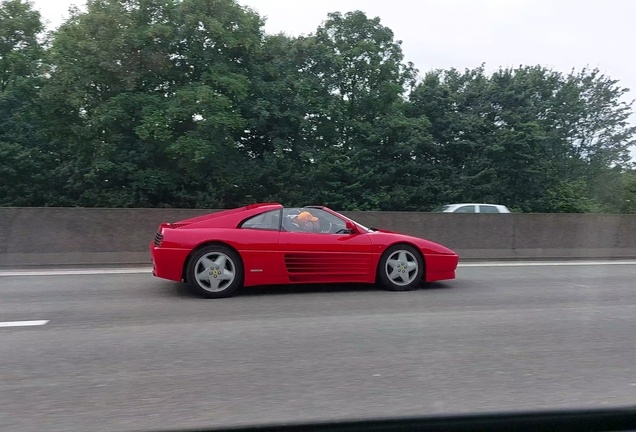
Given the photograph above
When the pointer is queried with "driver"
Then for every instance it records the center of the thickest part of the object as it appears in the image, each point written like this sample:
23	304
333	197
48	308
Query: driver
306	222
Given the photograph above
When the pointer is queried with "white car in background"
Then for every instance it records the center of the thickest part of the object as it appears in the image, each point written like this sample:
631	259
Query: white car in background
472	208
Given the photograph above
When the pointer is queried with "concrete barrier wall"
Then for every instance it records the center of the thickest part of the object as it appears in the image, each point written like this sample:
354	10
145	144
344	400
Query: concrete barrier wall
77	236
510	236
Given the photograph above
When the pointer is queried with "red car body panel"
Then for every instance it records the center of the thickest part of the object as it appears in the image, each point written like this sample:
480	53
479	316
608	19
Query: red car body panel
281	257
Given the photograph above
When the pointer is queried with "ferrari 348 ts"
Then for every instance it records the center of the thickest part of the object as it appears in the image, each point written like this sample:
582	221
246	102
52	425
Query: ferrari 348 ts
268	244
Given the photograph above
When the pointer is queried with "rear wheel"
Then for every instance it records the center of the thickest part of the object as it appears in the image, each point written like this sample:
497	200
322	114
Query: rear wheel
400	268
215	271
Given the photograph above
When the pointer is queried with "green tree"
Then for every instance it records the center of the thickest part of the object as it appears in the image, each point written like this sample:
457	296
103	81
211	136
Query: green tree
457	106
188	103
329	119
145	96
27	160
569	196
629	194
20	49
526	136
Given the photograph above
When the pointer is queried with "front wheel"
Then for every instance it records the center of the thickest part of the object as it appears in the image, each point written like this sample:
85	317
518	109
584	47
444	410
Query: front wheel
400	268
215	271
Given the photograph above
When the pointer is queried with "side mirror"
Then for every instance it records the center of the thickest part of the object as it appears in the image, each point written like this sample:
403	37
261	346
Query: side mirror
351	228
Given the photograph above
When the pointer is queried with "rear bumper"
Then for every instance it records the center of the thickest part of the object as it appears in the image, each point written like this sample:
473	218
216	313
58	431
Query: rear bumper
167	263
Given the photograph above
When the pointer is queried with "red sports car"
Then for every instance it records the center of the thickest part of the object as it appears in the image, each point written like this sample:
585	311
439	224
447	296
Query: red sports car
266	244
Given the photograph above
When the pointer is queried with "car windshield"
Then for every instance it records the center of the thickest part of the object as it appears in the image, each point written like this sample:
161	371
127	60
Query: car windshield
362	227
441	209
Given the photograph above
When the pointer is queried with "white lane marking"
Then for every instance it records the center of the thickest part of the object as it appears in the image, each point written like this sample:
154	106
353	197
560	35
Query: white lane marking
146	270
23	323
545	263
76	272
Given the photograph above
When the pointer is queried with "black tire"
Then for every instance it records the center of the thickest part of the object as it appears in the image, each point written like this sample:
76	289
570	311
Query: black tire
414	277
233	263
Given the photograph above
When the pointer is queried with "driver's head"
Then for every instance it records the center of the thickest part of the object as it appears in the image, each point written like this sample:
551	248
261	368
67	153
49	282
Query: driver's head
306	221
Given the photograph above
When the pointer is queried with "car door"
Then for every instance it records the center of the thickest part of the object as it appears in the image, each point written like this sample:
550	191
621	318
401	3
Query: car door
326	256
257	242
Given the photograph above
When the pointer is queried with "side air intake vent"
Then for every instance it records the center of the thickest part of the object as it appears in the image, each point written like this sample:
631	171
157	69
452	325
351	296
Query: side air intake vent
158	239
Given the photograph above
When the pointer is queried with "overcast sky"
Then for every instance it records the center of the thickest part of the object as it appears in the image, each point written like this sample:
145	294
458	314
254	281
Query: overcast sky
562	34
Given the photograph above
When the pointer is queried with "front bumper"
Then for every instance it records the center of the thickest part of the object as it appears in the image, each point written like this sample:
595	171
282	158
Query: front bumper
441	267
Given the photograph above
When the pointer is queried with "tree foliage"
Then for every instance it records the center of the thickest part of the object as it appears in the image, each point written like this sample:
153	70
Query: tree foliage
26	155
188	103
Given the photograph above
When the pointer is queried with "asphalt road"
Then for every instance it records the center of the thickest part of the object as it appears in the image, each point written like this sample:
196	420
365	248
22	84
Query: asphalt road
132	352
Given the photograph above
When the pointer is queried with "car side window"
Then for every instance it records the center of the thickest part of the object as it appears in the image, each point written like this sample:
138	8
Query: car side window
466	209
329	224
325	222
269	221
488	209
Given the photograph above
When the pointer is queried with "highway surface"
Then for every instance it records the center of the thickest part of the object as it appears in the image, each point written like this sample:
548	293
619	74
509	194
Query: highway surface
127	352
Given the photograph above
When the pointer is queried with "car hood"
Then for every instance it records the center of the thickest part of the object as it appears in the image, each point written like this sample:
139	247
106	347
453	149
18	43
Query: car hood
387	237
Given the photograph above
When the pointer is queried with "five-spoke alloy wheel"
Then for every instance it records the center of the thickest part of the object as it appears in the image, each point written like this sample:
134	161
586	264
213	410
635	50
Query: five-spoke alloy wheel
215	271
400	268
